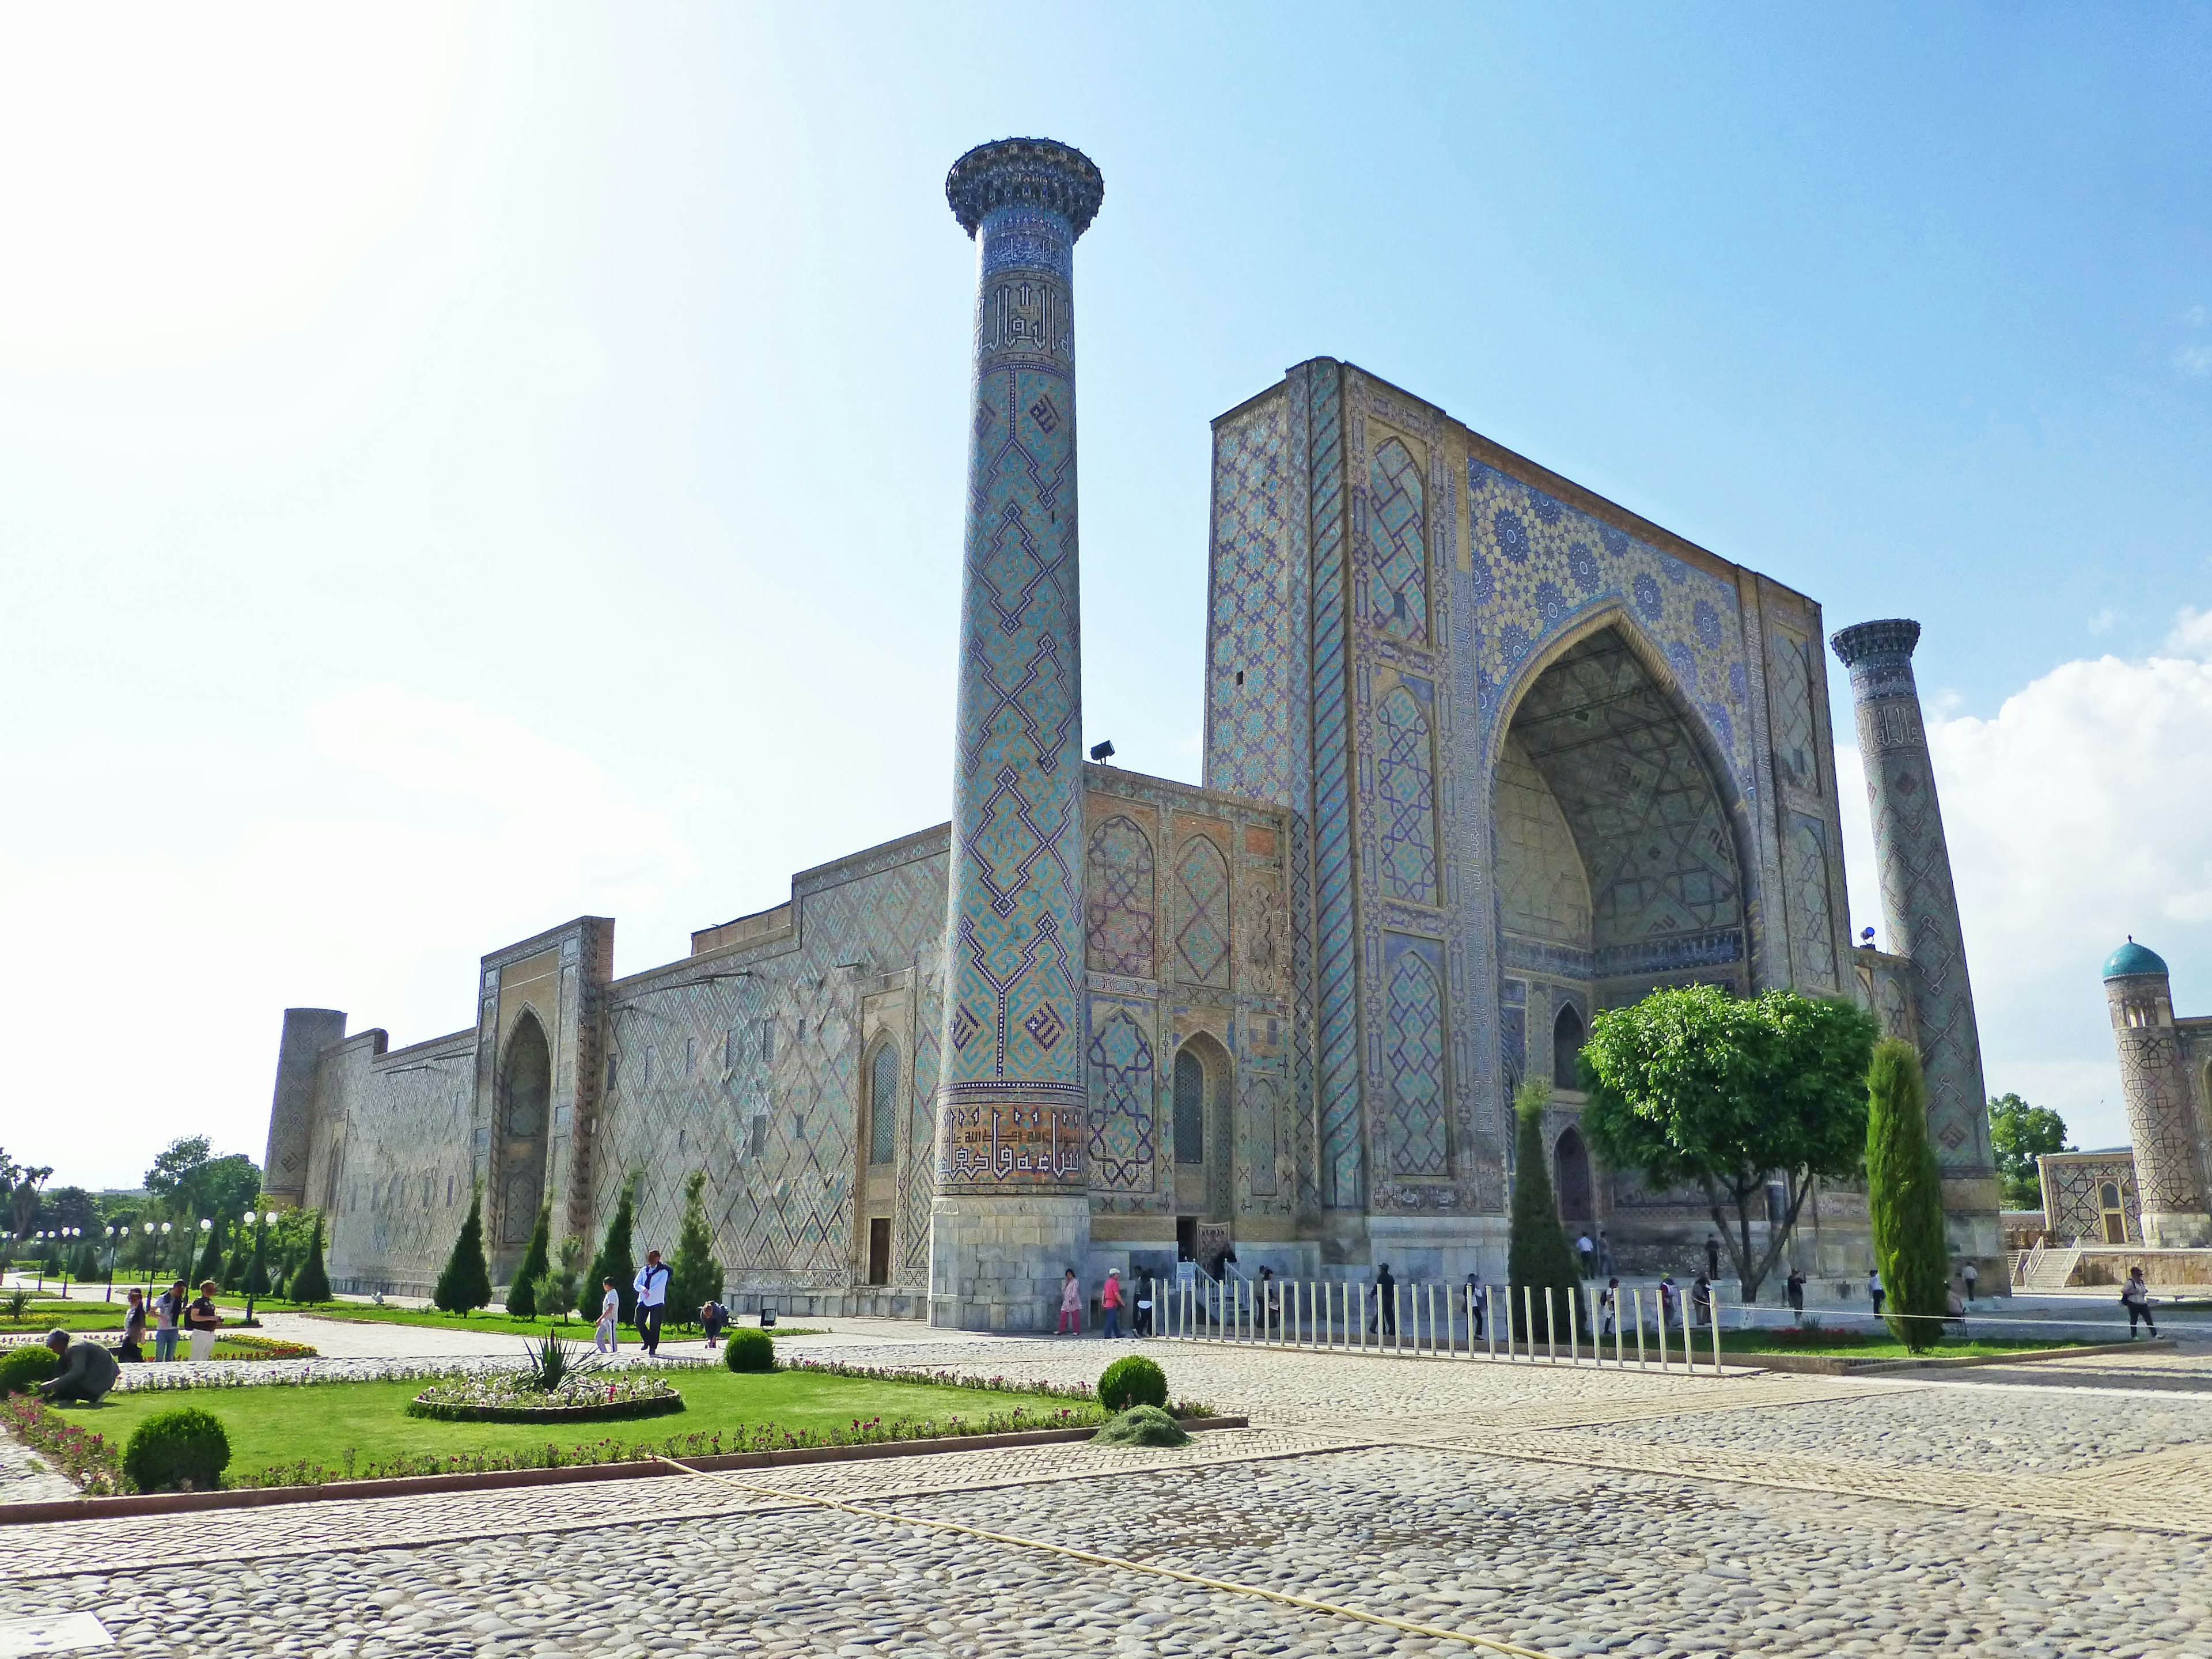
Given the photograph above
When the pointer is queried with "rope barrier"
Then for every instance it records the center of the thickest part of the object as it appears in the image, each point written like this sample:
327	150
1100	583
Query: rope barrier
1092	1557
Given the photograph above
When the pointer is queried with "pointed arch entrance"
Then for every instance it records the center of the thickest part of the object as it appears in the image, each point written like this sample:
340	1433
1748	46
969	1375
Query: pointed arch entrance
1571	1162
519	1140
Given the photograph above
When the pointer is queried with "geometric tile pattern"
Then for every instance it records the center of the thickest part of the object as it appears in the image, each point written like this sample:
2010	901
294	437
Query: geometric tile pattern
1202	907
1419	1130
1404	784
1118	895
1796	746
1256	661
1543	891
1014	1072
1812	922
883	1104
1397	548
2073	1198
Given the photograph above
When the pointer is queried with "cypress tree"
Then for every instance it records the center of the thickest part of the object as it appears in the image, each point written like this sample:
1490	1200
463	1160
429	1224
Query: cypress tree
465	1283
312	1284
614	1260
1904	1198
234	1272
257	1265
694	1275
211	1258
1538	1254
522	1294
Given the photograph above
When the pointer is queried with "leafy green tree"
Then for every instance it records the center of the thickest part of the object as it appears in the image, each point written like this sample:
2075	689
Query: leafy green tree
174	1167
522	1292
2018	1131
694	1275
1904	1198
191	1182
1691	1085
312	1284
614	1260
69	1207
1538	1254
465	1283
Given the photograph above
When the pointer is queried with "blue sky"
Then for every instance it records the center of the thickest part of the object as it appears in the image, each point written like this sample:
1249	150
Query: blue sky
463	468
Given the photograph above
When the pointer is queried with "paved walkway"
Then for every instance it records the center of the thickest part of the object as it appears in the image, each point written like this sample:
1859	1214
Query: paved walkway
2057	1508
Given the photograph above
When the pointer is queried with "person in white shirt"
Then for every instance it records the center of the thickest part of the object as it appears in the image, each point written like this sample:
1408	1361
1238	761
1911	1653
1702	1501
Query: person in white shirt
604	1340
652	1288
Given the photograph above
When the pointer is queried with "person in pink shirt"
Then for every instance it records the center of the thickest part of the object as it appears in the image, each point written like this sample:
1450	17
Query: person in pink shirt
1070	1305
1110	1299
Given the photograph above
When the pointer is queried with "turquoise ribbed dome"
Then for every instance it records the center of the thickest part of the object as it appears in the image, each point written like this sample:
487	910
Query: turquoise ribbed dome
2131	958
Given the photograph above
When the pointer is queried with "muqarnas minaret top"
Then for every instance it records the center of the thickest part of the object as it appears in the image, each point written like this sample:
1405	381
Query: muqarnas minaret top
1921	908
1012	1206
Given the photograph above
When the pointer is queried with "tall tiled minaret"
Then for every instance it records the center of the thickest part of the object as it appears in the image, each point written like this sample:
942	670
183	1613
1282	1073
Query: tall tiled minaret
1013	1208
1922	911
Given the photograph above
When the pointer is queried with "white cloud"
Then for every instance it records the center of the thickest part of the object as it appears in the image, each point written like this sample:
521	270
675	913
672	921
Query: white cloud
151	1006
2103	620
2194	359
2080	813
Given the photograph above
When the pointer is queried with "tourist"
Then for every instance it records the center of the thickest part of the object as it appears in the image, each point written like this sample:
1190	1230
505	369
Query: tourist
1586	1251
1873	1290
2134	1297
1475	1308
134	1327
652	1288
87	1371
1109	1301
603	1339
1608	1306
1271	1301
168	1308
1604	1261
1712	1256
204	1322
1665	1300
1386	1303
712	1317
1141	1323
1795	1289
1972	1275
1701	1300
1070	1304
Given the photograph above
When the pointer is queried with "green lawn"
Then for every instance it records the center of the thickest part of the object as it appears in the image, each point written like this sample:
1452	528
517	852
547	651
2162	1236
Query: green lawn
1871	1345
487	1320
318	1424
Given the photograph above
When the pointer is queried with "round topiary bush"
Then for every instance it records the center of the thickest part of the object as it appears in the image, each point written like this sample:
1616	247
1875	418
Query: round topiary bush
749	1350
1142	1426
23	1369
1131	1380
185	1449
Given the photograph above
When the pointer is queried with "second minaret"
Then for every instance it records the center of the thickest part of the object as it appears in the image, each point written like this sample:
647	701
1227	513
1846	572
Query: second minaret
1012	1206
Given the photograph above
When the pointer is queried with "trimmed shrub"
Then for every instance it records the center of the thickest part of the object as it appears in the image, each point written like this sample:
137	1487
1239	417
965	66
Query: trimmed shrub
23	1369
1142	1426
1904	1198
185	1448
749	1350
312	1284
464	1282
1538	1254
1131	1380
522	1294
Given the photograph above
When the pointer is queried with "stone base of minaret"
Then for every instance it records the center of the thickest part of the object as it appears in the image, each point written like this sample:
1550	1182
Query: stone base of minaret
995	1263
1971	1225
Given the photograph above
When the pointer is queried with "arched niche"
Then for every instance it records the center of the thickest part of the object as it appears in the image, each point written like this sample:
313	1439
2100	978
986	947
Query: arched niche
1621	847
1201	1124
1570	1167
524	1121
1567	1038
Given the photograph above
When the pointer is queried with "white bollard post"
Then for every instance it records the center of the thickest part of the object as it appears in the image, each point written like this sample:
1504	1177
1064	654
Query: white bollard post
1715	1305
1490	1322
1574	1324
1639	1329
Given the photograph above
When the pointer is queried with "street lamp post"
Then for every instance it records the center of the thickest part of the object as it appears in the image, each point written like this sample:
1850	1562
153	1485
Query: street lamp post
254	1270
110	1297
69	1236
149	1257
207	1225
42	1259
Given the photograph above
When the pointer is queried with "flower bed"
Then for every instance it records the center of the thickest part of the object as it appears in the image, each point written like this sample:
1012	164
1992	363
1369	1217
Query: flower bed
1082	1391
85	1458
259	1347
505	1398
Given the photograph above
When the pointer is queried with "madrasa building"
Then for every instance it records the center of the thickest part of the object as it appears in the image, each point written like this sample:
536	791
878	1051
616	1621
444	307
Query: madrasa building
1485	753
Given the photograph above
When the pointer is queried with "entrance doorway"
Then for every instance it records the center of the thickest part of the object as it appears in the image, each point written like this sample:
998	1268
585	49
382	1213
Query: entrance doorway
1186	1238
1572	1160
880	1249
2115	1218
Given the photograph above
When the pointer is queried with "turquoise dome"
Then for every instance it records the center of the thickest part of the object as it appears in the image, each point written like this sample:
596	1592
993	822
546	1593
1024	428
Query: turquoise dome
2131	958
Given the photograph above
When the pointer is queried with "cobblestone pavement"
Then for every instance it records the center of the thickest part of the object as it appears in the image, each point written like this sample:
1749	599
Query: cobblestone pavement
1571	1511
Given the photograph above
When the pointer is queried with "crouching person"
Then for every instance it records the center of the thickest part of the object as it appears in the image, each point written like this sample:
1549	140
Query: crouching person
87	1371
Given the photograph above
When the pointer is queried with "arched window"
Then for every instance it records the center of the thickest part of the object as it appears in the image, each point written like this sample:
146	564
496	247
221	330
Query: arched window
1189	1108
882	1106
1566	1049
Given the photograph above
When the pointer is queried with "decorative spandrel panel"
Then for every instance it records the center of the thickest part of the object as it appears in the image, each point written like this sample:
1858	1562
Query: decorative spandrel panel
1812	918
1416	1129
1397	549
1202	926
1796	732
1118	900
1124	1084
1405	790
